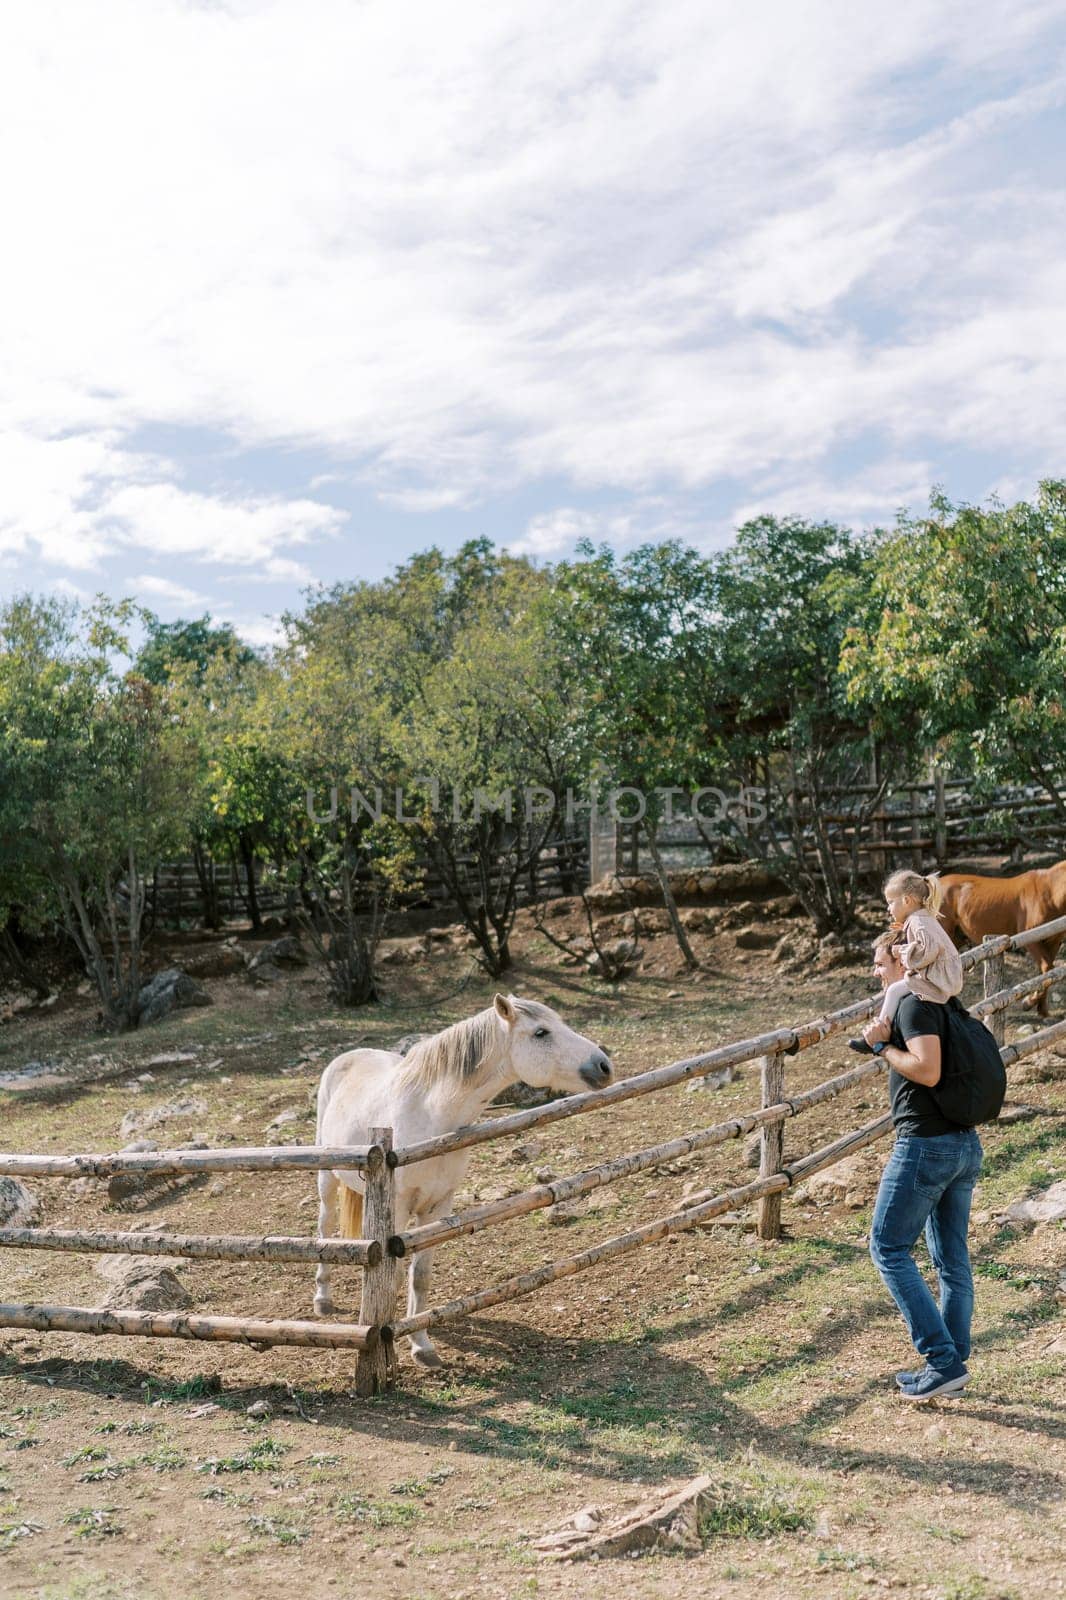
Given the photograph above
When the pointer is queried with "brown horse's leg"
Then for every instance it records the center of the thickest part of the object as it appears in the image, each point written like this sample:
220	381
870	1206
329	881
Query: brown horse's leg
1044	956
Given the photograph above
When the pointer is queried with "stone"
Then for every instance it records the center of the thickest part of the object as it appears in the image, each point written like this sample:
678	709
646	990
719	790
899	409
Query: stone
264	973
141	1283
402	952
566	1211
753	1152
755	939
282	1120
526	1152
221	962
135	1122
19	1206
259	1409
284	952
1047	1207
712	1080
168	991
852	1182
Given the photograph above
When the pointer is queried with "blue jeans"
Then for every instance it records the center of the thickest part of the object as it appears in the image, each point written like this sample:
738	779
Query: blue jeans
929	1183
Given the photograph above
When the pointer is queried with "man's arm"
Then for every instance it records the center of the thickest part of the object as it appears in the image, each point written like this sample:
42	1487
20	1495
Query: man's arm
920	1062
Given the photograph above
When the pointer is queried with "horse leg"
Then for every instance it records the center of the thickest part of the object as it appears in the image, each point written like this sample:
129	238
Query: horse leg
1044	955
422	1349
327	1224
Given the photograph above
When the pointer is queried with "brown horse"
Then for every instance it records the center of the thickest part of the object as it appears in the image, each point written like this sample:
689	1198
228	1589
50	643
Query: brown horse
974	906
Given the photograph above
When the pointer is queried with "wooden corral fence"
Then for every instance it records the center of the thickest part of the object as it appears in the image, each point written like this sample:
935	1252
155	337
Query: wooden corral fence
914	823
176	896
380	1253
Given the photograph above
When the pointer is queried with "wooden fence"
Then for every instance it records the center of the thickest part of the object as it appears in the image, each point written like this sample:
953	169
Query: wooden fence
176	896
381	1252
914	823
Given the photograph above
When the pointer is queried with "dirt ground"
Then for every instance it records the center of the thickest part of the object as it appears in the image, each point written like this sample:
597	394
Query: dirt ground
132	1467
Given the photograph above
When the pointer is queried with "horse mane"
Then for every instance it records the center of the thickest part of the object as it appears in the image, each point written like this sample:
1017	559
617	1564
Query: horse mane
459	1051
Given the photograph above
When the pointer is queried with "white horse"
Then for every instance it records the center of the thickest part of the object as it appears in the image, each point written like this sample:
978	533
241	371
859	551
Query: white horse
444	1082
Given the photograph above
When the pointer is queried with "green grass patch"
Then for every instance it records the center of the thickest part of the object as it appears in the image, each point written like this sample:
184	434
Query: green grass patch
376	1513
262	1456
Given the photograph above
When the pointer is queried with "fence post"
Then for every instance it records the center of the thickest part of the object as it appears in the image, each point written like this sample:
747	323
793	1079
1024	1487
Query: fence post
993	976
771	1145
916	830
941	817
378	1305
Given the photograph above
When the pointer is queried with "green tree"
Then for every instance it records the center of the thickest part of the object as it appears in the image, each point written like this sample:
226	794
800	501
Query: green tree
965	634
96	783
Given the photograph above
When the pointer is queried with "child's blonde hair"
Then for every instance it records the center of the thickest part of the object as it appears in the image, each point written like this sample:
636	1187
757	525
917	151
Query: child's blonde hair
929	892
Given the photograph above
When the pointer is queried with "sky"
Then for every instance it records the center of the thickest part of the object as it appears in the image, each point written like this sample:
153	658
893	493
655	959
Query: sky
292	289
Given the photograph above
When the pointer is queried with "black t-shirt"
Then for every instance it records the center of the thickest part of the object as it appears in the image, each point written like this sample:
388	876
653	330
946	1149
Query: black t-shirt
914	1110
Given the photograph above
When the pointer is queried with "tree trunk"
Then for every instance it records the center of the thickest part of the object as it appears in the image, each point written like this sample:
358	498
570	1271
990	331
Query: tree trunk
252	898
205	873
668	899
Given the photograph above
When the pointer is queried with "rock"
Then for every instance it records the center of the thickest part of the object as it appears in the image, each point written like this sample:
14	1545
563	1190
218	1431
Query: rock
264	973
545	1175
168	991
755	939
221	962
565	1211
285	952
282	1120
1018	1113
402	952
135	1122
753	1152
260	1408
852	1181
272	925
712	1080
19	1206
1057	1347
1047	1207
140	1283
526	1152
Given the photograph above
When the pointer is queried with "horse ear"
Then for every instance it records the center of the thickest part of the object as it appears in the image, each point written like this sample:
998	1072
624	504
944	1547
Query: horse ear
505	1008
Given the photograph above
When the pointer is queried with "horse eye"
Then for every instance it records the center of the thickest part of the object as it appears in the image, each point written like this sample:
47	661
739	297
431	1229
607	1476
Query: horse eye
541	1033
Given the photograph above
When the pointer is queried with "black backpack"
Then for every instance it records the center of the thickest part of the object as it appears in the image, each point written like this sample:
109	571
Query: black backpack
973	1079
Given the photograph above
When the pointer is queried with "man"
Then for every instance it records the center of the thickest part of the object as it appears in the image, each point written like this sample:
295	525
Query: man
928	1183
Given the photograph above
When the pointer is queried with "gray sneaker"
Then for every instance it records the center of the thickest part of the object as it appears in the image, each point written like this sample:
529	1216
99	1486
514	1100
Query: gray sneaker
930	1384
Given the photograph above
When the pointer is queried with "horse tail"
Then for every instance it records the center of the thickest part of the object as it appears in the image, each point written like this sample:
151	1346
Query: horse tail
351	1213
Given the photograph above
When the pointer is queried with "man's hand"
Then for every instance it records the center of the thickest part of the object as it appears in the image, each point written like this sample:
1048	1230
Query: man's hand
920	1062
877	1032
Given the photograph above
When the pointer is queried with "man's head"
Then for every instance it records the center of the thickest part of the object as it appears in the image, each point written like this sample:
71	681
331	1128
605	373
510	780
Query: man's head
887	963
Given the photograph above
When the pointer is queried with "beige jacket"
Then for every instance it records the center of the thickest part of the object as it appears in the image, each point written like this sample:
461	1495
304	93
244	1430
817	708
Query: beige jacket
930	959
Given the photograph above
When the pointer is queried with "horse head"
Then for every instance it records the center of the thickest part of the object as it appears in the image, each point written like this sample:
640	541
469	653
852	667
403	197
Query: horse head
547	1054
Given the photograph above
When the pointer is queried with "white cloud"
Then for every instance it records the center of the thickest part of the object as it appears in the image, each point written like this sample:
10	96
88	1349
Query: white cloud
157	588
633	248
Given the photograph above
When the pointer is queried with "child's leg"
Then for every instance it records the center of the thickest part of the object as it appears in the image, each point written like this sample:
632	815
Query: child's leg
893	995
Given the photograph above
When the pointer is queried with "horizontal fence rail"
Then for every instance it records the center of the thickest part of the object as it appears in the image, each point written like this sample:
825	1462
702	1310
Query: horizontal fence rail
270	1158
562	1189
198	1246
182	1325
779	1041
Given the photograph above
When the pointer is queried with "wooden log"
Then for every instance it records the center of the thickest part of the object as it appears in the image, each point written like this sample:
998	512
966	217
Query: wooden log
648	1233
1034	1041
940	826
698	1208
271	1158
796	1171
195	1246
1018	941
771	1145
999	1000
380	1281
490	1212
181	1325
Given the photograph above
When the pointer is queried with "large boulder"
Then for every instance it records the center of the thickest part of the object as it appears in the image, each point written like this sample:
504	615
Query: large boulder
168	991
142	1283
285	952
19	1206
